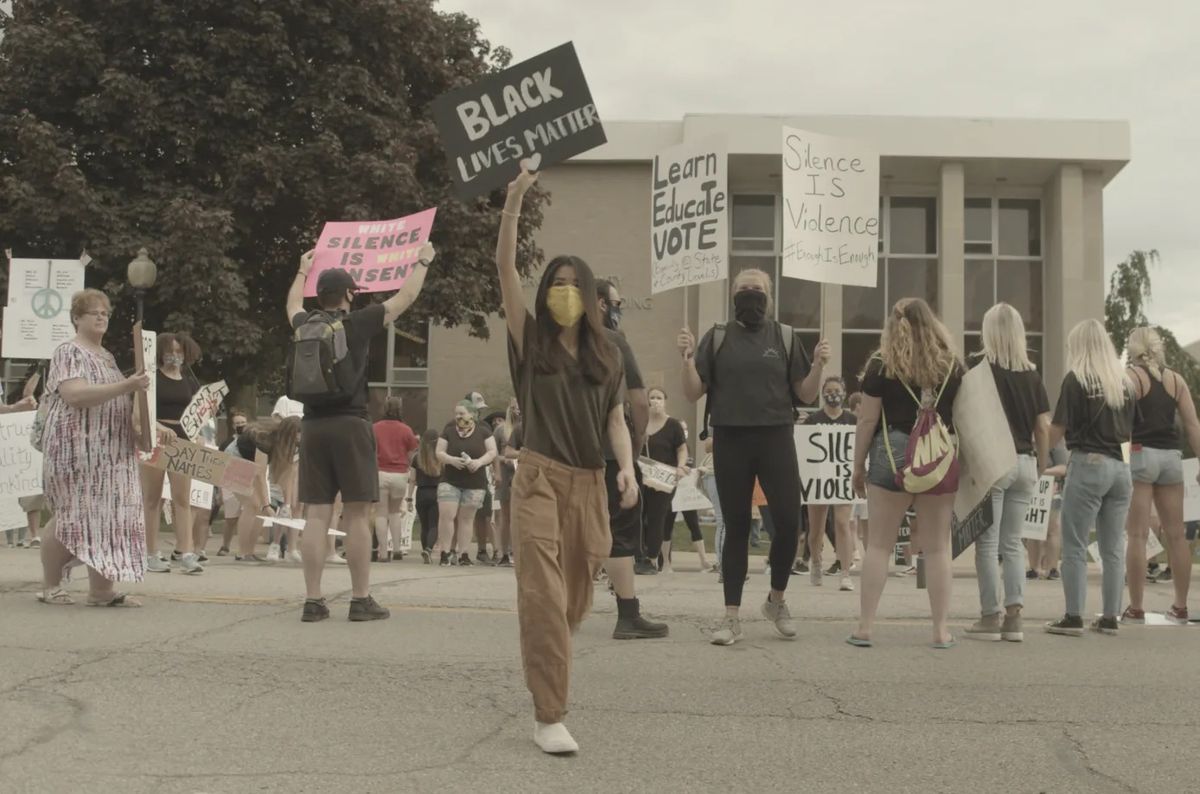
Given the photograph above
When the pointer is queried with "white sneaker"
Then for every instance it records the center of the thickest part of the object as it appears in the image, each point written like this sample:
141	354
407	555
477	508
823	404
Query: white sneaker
777	612
155	565
336	559
190	563
273	554
294	556
847	585
554	738
729	633
815	572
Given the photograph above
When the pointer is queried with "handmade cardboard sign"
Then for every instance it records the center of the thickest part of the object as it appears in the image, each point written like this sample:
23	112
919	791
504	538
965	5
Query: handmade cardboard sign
202	463
20	463
378	255
985	447
37	318
825	454
659	476
145	358
203	407
540	109
1037	517
830	209
689	229
688	495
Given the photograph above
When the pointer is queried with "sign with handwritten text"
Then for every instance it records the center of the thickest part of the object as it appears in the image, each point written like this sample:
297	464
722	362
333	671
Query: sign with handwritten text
689	230
1037	517
202	463
825	454
20	463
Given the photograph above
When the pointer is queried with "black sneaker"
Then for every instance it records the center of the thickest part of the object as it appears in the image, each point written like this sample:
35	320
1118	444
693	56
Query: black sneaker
366	609
465	559
1105	626
482	557
1031	574
444	562
314	610
174	556
645	568
1165	574
1067	625
1054	575
800	567
201	556
505	562
835	568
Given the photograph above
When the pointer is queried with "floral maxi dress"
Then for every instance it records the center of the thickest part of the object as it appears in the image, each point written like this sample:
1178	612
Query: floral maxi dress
90	469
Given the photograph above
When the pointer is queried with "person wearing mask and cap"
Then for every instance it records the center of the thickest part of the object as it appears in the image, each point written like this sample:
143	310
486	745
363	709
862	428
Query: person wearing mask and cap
337	456
625	525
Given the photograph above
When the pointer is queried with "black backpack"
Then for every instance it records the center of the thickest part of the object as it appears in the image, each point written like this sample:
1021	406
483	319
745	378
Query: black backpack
321	373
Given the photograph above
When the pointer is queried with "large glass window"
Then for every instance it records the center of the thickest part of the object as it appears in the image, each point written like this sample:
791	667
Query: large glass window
1003	250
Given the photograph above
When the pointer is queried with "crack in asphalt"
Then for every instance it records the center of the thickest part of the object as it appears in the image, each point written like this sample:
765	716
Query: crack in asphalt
1080	757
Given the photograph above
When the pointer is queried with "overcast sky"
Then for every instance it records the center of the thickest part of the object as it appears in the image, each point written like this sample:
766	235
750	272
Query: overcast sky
1097	59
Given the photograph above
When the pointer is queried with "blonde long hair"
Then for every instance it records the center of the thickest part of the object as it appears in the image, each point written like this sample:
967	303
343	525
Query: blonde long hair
1093	360
1145	347
1004	339
916	346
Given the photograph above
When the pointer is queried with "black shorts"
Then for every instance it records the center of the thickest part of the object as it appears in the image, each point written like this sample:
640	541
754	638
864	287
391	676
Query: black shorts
625	525
337	455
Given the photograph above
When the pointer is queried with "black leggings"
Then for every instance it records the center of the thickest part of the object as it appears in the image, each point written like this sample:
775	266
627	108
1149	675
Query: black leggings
655	512
427	514
742	454
690	517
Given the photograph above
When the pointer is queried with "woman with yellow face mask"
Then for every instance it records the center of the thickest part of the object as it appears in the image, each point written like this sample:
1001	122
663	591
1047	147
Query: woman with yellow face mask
568	379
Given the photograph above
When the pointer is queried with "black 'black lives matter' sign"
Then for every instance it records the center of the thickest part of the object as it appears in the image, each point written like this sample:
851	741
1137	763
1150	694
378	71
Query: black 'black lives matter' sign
966	531
541	109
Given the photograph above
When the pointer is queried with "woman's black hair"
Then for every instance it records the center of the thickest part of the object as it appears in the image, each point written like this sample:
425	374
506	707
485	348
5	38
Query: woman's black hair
597	354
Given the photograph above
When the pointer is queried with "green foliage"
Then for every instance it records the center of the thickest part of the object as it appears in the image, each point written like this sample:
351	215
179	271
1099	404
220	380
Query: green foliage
220	135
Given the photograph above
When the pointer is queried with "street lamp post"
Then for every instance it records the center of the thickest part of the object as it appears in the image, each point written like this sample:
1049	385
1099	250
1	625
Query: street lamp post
142	273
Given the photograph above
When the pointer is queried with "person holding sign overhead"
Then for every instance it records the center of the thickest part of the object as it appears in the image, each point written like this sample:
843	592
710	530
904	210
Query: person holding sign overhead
174	389
90	464
1164	402
568	378
1027	408
833	394
753	370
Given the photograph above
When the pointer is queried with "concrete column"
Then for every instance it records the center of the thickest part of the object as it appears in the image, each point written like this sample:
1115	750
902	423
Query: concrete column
1093	244
831	325
951	234
1067	294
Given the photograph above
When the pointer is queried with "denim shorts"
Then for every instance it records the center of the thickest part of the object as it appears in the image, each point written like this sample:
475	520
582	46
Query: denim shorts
880	471
463	497
1156	466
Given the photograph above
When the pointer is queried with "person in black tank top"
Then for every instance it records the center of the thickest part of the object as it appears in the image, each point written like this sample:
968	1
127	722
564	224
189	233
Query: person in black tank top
1156	464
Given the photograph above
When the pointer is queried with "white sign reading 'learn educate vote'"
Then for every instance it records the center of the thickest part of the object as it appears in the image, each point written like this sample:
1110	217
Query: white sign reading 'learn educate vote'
689	231
830	209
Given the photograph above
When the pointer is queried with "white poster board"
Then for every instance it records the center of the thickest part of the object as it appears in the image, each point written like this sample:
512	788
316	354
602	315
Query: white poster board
201	497
985	447
20	463
150	356
406	527
825	454
688	495
1037	517
830	209
203	407
689	211
37	316
1191	490
11	514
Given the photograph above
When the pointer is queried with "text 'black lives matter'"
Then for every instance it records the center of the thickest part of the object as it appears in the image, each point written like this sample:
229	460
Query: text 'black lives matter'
541	106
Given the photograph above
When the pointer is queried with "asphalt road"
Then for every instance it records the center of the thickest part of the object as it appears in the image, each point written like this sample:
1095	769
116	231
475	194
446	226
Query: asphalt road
216	686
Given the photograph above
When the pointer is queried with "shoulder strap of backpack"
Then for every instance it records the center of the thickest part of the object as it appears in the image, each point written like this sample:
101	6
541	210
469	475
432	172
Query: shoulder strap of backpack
717	340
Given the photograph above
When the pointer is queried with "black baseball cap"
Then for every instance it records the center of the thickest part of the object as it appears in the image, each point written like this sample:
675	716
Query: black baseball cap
335	280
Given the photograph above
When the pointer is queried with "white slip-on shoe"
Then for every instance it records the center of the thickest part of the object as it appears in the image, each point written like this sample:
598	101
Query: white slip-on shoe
554	738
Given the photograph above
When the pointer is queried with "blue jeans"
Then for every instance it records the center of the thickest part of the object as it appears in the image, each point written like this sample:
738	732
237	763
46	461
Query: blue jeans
709	483
1010	502
1097	494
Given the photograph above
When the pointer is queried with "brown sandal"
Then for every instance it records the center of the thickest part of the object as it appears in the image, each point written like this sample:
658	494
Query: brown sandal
117	600
57	596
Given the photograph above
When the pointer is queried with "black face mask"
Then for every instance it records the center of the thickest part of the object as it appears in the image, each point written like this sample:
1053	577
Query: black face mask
833	400
750	307
237	431
612	317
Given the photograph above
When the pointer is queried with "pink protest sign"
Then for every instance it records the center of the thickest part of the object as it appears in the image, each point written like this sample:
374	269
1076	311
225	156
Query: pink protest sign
378	254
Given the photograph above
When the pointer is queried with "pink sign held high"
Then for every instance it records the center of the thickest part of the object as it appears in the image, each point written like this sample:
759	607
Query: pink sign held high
378	254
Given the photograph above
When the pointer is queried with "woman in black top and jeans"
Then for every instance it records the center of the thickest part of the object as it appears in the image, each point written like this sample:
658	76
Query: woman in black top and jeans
1156	463
425	485
665	443
916	357
751	382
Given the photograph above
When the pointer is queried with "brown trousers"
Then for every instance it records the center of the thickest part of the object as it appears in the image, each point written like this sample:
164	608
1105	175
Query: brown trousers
561	538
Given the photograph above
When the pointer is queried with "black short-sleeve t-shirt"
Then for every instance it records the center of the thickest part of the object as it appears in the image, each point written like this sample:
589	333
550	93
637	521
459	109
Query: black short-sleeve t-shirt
898	405
475	446
1091	425
360	326
172	396
633	380
748	379
564	415
821	418
1024	398
664	445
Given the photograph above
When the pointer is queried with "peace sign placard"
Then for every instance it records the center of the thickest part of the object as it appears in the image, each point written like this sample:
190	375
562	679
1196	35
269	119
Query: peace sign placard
37	317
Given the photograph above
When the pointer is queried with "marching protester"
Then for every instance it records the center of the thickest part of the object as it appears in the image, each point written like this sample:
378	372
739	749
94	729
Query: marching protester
625	524
337	458
174	390
504	477
691	519
90	464
909	387
487	524
1095	413
752	435
428	471
568	378
1156	459
395	444
465	450
272	444
665	443
833	394
231	507
1027	409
